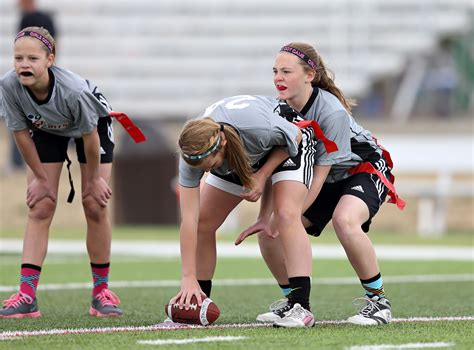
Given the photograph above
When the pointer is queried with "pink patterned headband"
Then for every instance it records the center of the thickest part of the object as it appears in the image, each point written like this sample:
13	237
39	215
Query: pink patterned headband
38	36
299	54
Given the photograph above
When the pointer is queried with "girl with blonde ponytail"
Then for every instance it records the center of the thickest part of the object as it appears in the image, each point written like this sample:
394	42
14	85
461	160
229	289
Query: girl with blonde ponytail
241	142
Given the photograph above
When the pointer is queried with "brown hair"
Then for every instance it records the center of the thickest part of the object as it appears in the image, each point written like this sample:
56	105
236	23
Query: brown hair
324	78
198	135
44	32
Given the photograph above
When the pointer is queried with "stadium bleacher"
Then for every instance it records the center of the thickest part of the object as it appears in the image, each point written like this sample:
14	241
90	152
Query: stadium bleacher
167	58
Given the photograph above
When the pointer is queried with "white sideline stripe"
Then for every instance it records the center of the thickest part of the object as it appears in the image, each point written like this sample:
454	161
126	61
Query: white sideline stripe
9	335
15	260
401	346
253	282
188	341
249	250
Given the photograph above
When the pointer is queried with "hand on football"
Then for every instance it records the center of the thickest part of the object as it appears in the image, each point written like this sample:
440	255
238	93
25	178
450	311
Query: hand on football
189	287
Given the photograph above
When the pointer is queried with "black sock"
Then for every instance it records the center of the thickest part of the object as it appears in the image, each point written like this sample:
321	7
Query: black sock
206	287
300	290
31	266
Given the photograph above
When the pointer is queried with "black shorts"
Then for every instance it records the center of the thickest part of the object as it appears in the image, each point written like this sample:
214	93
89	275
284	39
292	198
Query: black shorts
53	148
365	186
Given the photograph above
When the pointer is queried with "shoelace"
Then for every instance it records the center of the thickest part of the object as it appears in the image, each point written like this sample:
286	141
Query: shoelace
17	300
282	311
369	307
279	304
107	297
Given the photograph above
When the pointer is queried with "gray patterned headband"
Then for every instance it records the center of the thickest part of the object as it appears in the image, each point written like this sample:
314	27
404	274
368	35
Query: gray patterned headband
208	152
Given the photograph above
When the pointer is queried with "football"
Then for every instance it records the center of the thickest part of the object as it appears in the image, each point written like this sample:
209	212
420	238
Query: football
200	315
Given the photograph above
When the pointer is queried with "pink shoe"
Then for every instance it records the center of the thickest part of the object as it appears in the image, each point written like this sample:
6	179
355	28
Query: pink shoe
105	304
20	305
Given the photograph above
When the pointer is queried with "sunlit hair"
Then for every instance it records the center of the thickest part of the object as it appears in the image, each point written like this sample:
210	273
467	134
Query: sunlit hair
324	78
199	135
44	32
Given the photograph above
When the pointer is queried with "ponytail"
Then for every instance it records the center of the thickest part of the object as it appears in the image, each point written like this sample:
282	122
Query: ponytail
237	157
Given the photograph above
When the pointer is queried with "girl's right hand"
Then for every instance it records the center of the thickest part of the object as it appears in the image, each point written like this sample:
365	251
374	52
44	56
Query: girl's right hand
189	287
38	190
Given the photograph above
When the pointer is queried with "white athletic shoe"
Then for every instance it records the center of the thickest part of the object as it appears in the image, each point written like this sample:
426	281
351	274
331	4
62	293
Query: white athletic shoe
376	311
277	311
296	317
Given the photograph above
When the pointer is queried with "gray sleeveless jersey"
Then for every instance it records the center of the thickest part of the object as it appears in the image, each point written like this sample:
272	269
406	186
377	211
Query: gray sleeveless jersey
72	109
355	144
260	128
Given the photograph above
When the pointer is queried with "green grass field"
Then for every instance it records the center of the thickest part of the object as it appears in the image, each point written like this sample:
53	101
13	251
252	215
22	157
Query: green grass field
334	288
172	233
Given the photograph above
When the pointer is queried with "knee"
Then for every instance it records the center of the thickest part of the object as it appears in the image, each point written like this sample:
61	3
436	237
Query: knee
207	225
92	209
43	210
209	222
287	217
344	224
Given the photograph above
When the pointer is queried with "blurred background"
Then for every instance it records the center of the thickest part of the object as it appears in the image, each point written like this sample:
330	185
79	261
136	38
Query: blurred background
409	64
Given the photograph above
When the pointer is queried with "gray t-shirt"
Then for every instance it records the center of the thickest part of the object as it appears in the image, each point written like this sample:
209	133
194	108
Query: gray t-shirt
72	108
355	144
259	126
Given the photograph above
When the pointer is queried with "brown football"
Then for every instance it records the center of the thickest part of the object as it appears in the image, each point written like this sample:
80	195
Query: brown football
201	315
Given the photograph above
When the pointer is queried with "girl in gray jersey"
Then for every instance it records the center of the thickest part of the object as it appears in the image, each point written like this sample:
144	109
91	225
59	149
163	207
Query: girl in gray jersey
231	140
45	106
349	185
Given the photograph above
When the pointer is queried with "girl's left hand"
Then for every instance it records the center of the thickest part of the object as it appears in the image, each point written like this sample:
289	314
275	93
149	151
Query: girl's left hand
260	226
99	190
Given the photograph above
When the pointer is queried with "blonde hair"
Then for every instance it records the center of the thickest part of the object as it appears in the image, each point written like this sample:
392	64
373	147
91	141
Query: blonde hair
199	135
44	32
324	78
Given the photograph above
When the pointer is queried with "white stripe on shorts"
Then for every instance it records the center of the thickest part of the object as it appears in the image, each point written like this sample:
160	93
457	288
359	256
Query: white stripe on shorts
380	165
304	173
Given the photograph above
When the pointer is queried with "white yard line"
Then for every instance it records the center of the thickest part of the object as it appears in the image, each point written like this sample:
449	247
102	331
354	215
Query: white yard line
252	281
189	340
9	335
402	346
250	250
56	259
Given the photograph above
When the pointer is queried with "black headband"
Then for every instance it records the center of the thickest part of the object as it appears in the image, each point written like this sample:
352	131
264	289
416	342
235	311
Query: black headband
38	36
299	54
